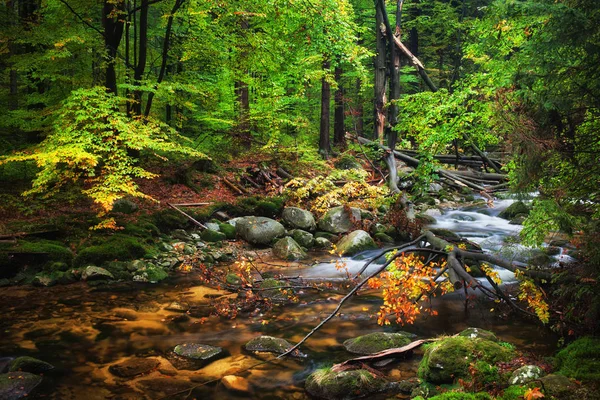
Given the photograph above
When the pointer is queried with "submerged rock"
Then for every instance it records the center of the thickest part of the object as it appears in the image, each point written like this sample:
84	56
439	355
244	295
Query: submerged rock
29	364
197	351
344	385
134	366
377	341
164	387
235	383
449	359
355	242
525	374
298	218
259	230
17	385
288	249
271	344
339	220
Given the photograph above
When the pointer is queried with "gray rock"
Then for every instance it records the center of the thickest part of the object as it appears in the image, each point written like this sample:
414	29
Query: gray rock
29	364
559	386
303	238
133	366
355	242
298	218
271	344
136	265
322	243
233	221
212	225
338	220
288	249
197	351
377	341
384	238
259	230
92	272
17	385
166	247
525	374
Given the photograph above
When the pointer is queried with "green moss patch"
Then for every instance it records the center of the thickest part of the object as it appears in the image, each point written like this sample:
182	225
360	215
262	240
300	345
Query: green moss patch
375	342
117	247
54	251
324	383
580	359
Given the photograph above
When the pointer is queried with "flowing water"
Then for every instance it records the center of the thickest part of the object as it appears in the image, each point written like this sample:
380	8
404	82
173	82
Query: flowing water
82	331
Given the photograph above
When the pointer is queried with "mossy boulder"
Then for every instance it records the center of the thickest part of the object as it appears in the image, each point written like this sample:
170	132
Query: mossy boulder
377	341
557	386
322	243
118	247
44	280
150	273
339	219
53	251
259	230
303	238
270	288
355	242
515	209
327	384
29	364
384	238
193	356
288	249
167	220
17	385
270	344
462	396
477	333
211	235
124	206
228	230
525	374
449	359
445	233
298	218
580	359
347	161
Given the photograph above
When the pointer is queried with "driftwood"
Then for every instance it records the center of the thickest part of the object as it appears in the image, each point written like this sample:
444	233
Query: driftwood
395	352
283	173
233	187
187	215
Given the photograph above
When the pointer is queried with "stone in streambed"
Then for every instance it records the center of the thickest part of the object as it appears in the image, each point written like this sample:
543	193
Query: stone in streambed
355	242
377	341
235	383
515	209
133	366
303	238
271	344
477	333
322	243
525	374
339	219
212	235
193	356
296	217
92	272
259	230
288	249
17	385
327	384
29	364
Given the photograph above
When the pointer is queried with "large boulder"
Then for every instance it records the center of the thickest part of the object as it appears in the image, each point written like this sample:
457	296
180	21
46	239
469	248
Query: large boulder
327	384
355	242
298	218
339	220
17	385
377	341
288	249
271	344
449	359
259	230
478	333
303	238
515	209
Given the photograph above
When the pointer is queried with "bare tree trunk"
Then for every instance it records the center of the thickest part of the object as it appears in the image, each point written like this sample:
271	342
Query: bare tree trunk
380	81
359	111
339	131
324	145
138	73
113	24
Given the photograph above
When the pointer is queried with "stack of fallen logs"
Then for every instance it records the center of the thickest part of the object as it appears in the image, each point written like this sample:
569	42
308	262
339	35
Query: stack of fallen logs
258	178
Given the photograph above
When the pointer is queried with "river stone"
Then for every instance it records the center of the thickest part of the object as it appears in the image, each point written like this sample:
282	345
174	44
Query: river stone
197	351
525	374
558	386
377	341
177	307
92	272
303	238
43	280
165	387
338	220
322	243
228	230
515	209
384	238
235	383
449	359
270	344
150	273
288	249
213	235
133	366
296	217
16	385
479	333
29	364
355	242
212	225
331	385
259	230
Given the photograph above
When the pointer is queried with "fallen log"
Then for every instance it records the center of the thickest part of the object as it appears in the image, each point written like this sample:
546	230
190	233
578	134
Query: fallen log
187	215
233	187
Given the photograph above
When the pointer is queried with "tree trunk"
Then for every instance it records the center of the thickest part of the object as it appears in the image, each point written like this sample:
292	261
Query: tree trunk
380	81
324	145
113	24
138	73
359	111
339	131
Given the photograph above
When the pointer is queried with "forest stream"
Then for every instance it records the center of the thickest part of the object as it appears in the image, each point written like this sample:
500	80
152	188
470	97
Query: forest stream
83	330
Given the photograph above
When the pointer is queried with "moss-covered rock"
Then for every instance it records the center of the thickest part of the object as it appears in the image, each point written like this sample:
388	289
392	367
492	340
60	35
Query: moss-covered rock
322	243
449	359
17	385
462	396
288	249
580	359
339	220
93	273
557	386
327	384
151	273
124	206
168	219
227	229
53	251
515	209
384	238
44	280
271	344
29	364
514	392
303	238
259	230
298	218
210	235
377	341
478	333
117	247
355	242
525	374
445	233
